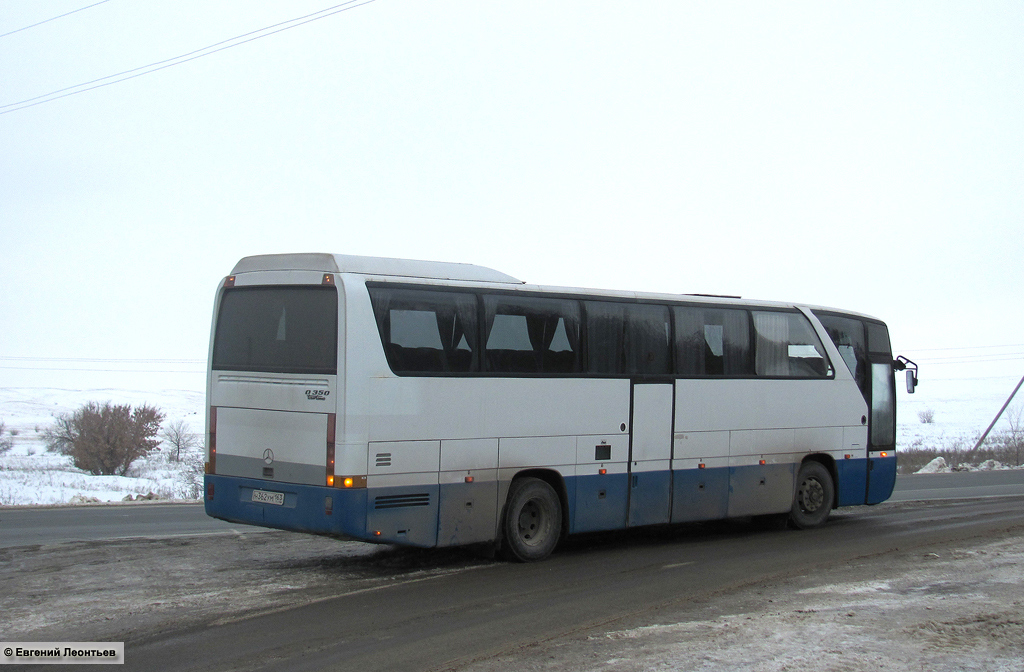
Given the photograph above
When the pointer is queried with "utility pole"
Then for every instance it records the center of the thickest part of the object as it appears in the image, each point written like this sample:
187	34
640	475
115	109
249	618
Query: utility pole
998	415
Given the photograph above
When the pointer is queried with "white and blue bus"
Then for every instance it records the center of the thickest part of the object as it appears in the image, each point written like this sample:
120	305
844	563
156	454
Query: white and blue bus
440	404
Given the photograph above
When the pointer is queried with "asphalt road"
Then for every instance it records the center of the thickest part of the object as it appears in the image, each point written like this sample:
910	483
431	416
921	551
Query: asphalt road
21	526
958	485
438	619
443	621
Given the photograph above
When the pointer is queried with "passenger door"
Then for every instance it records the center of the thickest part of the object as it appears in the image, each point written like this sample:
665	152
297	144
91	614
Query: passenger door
650	454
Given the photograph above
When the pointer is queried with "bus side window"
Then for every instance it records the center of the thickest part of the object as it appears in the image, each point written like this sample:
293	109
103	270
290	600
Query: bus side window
628	338
787	346
712	341
531	334
849	338
605	338
647	339
426	331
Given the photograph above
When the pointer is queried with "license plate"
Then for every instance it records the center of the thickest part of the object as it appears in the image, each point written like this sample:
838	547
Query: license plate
276	498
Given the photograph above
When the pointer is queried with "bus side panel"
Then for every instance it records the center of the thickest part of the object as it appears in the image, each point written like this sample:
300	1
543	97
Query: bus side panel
883	478
758	489
853	467
402	487
305	507
467	510
601	500
405	514
650	496
852	484
761	471
700	494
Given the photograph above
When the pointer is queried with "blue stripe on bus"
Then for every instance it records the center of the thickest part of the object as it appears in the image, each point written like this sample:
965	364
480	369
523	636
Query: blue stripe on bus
700	494
852	481
304	508
600	502
409	515
882	479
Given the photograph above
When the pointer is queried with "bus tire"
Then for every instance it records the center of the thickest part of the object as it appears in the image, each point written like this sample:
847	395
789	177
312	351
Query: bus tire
532	523
812	501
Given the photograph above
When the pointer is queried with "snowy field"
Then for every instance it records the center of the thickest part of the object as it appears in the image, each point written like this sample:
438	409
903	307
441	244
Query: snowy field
961	408
31	475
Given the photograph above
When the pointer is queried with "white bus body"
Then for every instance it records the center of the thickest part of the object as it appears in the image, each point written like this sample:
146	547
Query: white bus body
436	404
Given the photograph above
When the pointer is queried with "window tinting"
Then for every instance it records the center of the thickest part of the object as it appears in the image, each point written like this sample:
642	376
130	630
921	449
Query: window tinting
883	405
531	334
281	329
712	342
426	331
786	346
878	338
627	338
849	337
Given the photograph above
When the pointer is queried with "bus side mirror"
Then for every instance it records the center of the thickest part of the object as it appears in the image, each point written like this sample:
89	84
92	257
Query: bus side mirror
901	363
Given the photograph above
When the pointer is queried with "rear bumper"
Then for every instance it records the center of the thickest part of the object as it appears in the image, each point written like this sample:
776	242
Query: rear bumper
307	508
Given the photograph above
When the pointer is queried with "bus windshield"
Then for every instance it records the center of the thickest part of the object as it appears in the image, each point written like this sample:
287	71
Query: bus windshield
281	329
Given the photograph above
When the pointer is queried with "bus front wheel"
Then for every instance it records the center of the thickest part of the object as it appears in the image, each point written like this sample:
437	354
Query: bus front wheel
814	494
533	520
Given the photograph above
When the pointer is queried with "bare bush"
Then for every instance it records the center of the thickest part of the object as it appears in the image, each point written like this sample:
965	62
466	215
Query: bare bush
180	437
192	481
927	416
105	439
6	442
1015	435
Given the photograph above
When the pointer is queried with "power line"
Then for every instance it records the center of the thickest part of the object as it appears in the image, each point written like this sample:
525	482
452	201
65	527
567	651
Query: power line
151	360
976	359
54	18
967	347
39	368
183	58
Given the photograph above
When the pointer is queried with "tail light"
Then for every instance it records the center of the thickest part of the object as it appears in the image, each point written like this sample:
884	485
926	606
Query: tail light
211	466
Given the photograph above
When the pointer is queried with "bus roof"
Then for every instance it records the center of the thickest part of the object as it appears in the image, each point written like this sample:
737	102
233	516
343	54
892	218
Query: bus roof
471	273
347	263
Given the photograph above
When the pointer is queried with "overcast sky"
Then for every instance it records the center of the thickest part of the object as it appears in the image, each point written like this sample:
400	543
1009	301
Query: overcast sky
867	156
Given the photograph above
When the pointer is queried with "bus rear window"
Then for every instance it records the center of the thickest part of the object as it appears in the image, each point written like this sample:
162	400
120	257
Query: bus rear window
283	329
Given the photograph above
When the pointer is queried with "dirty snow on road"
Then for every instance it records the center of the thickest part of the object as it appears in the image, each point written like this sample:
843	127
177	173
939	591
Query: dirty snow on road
942	611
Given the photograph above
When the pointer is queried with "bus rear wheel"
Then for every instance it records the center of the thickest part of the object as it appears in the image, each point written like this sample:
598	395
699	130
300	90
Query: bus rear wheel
533	520
815	492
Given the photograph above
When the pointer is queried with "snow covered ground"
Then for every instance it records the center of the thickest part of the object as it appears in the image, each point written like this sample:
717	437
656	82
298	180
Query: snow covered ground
31	475
960	407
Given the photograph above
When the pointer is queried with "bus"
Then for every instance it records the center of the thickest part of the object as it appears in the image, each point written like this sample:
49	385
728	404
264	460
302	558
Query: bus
439	404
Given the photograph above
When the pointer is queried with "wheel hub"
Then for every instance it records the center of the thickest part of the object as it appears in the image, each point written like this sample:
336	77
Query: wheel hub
529	521
812	495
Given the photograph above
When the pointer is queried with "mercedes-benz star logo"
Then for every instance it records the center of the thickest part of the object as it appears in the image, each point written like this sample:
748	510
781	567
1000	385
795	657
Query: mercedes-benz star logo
268	456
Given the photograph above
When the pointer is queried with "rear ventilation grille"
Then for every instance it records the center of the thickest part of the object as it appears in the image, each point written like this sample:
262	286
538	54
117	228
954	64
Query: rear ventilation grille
383	459
401	501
